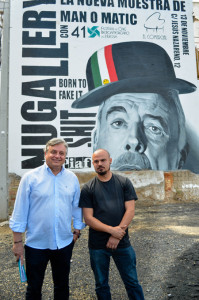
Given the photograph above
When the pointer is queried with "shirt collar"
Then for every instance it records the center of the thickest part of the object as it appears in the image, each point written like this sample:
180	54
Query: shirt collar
49	170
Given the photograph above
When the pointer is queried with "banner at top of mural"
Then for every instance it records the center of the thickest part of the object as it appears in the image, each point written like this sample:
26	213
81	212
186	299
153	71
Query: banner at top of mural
112	74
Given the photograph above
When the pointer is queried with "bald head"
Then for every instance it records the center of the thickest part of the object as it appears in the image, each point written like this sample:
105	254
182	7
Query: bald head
101	162
101	151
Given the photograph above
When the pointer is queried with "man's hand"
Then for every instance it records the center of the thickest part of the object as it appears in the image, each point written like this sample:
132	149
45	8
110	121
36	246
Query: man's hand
112	243
118	232
18	251
76	235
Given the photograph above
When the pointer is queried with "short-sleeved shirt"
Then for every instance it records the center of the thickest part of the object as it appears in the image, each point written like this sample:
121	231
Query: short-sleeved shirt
108	202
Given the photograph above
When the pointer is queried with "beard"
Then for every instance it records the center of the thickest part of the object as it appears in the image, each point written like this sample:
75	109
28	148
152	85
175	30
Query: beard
131	161
101	171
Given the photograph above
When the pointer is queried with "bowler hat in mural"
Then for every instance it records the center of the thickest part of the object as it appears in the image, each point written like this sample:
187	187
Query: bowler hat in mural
129	67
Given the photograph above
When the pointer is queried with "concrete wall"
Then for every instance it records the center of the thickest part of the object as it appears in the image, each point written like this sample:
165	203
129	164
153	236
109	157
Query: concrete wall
153	186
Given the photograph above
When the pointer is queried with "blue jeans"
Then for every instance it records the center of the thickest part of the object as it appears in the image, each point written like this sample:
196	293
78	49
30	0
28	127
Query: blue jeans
125	261
36	263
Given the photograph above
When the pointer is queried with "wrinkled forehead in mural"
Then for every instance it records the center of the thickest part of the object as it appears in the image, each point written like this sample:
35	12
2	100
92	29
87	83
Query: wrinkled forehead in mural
140	120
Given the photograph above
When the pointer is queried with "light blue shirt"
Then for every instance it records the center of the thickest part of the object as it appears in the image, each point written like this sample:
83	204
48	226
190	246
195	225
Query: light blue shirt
45	206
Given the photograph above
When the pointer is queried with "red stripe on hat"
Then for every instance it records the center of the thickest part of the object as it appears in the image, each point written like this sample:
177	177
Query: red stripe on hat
110	63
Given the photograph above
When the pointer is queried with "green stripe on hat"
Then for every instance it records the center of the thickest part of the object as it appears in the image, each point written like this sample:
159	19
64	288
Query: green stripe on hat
95	70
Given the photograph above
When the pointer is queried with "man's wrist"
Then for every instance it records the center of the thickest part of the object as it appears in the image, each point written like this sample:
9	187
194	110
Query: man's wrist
17	242
110	230
77	233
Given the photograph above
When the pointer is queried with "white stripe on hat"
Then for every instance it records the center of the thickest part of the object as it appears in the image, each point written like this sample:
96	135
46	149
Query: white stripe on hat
102	66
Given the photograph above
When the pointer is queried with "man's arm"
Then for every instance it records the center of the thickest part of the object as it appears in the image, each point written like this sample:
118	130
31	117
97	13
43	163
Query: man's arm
77	213
126	220
18	220
117	232
129	213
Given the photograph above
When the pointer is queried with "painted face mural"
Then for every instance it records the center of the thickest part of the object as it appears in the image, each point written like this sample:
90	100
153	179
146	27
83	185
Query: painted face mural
142	131
140	119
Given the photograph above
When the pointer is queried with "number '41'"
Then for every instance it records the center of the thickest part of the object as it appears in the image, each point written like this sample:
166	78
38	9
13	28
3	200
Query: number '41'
77	32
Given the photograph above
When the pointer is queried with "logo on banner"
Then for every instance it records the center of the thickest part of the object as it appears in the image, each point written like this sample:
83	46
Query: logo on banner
154	26
155	22
93	31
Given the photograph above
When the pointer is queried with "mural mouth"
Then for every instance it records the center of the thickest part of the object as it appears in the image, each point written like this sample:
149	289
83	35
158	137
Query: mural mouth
131	161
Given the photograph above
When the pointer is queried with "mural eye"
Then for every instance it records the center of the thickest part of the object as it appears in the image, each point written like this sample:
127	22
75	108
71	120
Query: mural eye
117	124
155	130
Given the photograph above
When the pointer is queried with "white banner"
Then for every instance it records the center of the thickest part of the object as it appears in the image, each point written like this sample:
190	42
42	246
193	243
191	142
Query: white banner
113	74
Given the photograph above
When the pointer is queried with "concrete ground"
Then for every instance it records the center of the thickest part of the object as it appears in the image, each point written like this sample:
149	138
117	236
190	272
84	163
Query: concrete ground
165	237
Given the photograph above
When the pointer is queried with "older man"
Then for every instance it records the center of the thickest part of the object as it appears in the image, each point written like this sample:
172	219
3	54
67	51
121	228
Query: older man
46	201
140	120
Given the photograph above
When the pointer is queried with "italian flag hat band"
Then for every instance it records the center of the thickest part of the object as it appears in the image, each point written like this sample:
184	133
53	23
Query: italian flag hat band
102	66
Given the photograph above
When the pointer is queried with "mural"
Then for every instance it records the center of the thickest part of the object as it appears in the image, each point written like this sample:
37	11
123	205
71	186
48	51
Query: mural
114	74
140	120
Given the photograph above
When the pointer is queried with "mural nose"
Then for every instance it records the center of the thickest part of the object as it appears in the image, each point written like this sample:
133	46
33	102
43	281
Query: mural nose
138	147
136	140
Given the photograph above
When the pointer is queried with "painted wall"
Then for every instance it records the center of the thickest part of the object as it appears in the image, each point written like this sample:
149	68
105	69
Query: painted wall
119	75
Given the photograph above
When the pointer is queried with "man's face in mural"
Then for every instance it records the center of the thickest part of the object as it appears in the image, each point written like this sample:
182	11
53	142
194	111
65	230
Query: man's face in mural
140	131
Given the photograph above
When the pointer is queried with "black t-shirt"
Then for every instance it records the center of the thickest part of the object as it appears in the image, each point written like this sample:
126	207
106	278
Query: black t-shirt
108	202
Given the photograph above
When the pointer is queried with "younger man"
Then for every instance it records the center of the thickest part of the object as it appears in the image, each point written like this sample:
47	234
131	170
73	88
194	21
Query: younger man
108	203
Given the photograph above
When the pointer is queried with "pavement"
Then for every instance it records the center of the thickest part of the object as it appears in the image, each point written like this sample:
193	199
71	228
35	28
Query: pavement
165	236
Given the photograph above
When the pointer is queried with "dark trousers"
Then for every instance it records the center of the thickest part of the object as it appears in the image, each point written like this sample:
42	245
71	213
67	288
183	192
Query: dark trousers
36	263
125	261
